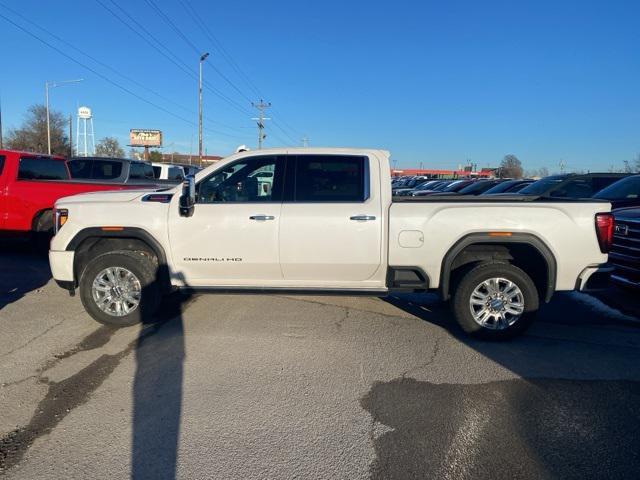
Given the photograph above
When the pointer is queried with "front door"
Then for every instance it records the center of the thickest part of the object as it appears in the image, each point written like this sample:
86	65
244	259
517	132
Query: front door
332	222
232	237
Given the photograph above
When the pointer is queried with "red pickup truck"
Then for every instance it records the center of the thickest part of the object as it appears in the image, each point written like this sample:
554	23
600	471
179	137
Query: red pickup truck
30	183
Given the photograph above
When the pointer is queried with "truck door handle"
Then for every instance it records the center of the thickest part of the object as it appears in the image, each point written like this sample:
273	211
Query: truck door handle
261	218
362	218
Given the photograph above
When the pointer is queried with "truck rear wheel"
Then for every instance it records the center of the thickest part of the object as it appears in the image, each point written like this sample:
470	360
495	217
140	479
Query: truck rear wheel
495	301
120	288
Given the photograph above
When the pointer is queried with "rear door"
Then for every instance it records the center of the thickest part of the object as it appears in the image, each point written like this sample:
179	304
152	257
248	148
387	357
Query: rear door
331	225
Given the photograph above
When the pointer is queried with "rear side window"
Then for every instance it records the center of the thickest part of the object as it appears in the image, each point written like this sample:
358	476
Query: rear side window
80	168
31	168
1	164
157	171
106	169
141	171
175	173
575	188
330	178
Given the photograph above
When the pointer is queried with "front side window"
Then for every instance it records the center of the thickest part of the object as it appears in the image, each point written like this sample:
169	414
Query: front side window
254	179
42	168
330	178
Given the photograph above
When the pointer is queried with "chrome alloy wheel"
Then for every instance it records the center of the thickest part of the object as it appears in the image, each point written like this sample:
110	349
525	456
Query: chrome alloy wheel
116	291
496	303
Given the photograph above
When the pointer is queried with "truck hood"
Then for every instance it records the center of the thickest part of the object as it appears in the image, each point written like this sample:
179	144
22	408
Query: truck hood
110	196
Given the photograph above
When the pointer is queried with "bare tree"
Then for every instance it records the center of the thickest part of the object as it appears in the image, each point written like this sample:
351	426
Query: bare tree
511	167
109	147
32	135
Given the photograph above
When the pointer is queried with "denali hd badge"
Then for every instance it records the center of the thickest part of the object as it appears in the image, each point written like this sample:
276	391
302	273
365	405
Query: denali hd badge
622	229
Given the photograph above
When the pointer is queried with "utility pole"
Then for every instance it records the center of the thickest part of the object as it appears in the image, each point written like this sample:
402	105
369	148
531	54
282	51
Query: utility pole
561	164
46	101
260	120
305	141
202	59
70	136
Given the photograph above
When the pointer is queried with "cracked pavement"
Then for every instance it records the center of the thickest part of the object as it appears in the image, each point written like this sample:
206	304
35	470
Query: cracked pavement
237	387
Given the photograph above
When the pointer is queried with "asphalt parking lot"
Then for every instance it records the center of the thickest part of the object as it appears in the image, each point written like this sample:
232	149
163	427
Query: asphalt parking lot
238	387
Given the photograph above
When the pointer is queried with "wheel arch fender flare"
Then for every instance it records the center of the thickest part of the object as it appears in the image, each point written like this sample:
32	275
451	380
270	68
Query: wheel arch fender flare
135	233
528	239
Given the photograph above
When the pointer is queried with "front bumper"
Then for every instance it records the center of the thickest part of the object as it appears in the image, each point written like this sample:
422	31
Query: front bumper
594	279
61	263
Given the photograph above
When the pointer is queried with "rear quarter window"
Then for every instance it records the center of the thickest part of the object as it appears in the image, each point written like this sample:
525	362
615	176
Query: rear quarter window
41	168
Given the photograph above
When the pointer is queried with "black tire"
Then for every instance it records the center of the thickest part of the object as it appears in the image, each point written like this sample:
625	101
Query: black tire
138	263
475	276
42	231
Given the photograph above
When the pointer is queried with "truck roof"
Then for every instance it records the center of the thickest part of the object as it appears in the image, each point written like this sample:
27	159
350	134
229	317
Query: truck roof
25	152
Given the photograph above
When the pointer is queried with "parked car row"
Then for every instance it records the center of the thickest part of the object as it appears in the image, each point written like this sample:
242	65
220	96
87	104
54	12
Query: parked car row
30	184
620	189
124	170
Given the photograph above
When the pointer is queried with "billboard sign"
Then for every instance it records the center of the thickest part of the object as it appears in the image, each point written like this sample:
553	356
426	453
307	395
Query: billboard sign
145	138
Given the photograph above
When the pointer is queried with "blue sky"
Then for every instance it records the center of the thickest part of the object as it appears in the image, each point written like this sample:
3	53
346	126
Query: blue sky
433	82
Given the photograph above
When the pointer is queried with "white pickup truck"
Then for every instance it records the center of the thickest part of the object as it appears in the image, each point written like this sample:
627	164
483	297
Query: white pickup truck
323	220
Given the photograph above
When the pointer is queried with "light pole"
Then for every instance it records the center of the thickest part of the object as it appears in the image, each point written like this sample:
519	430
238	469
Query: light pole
48	85
202	59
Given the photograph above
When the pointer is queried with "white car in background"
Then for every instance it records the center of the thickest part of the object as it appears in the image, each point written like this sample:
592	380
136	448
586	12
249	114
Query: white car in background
167	171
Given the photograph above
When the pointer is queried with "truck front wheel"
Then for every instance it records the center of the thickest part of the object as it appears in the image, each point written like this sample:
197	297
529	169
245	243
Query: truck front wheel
120	288
495	301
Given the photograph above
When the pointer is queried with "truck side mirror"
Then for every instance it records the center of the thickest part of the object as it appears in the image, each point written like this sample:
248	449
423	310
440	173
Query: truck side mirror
187	201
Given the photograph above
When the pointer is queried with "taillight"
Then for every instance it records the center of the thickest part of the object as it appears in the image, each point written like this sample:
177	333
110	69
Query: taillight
604	231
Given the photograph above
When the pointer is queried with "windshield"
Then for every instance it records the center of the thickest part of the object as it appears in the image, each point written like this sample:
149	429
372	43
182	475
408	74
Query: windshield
541	186
626	188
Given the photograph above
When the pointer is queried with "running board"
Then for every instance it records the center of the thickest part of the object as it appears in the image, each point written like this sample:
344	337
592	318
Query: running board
284	291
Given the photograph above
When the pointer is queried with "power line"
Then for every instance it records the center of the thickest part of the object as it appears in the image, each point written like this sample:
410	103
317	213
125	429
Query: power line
104	77
283	131
225	54
176	29
110	68
218	45
169	55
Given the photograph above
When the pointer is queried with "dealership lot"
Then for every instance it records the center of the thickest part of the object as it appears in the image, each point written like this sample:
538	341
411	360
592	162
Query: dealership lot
310	387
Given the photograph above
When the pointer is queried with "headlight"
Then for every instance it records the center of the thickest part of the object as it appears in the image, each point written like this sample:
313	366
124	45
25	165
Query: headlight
60	218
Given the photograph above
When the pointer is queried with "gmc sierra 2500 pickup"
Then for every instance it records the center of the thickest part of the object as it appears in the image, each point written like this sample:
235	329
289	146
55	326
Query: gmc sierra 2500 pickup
323	220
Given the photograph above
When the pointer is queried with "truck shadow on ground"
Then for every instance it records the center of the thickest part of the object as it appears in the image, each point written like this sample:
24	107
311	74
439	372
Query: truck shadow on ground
157	391
23	269
571	411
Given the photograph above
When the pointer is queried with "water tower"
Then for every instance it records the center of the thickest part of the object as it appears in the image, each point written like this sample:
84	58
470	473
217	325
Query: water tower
85	141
